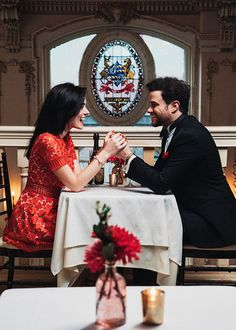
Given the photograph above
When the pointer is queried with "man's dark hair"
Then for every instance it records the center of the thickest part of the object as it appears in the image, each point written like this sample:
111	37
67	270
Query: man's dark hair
172	89
62	102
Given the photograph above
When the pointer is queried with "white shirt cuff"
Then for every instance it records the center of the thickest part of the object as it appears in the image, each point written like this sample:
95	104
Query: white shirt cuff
128	163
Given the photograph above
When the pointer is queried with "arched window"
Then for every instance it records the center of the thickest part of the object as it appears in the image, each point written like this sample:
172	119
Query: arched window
74	60
65	60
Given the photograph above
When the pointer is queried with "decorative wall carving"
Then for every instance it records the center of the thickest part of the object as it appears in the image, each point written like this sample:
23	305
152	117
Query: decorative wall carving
10	19
227	24
118	15
28	68
3	69
213	67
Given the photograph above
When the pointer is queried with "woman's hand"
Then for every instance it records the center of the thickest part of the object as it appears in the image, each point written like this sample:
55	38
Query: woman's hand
114	142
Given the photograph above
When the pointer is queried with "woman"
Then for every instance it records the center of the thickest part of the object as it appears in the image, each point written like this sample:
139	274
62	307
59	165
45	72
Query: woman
52	166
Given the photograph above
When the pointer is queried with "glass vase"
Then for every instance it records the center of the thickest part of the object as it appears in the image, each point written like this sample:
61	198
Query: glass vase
117	169
110	298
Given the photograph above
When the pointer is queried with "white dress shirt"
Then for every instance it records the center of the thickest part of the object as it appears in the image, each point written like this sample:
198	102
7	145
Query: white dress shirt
170	136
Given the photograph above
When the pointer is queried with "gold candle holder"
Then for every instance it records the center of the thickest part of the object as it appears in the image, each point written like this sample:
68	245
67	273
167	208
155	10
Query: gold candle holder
113	179
153	305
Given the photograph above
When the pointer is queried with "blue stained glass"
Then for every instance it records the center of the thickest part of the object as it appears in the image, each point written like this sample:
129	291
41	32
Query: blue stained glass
117	78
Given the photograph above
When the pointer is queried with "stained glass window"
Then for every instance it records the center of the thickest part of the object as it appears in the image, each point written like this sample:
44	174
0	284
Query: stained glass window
117	78
169	59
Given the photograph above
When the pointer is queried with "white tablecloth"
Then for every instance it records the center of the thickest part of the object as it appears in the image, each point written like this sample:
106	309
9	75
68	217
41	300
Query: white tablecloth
186	308
154	219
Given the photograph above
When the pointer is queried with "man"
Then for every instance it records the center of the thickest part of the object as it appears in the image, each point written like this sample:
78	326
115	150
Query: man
189	166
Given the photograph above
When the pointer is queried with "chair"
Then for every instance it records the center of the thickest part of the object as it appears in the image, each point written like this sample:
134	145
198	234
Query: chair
6	250
84	278
189	251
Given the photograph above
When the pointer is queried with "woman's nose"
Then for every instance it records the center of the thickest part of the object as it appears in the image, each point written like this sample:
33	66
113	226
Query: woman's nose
87	111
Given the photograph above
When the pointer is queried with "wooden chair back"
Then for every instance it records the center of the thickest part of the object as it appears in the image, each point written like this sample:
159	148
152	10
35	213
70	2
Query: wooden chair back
11	252
189	251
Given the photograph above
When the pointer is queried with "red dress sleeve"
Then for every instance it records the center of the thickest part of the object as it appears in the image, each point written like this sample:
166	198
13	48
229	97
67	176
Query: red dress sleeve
52	150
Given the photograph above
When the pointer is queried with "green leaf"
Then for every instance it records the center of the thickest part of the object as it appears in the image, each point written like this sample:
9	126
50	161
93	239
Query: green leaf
103	213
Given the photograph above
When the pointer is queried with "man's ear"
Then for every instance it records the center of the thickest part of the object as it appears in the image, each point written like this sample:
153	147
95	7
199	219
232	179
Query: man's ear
175	105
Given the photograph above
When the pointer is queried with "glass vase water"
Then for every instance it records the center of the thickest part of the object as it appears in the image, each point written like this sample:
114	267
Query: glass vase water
110	298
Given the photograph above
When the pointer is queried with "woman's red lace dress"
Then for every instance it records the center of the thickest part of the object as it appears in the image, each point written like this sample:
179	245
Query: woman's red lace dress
31	226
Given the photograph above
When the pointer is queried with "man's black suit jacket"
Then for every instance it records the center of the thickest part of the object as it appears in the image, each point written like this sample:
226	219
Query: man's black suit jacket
191	169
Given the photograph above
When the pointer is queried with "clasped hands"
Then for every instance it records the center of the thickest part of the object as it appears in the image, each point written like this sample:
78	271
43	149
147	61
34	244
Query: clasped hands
118	144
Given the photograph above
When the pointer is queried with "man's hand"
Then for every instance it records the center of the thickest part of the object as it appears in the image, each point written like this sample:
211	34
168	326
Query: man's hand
125	153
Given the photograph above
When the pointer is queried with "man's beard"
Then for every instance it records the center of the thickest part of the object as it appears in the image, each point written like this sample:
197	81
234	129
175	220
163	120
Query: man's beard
156	122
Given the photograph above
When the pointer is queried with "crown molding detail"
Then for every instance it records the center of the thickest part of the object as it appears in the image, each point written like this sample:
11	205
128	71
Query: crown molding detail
116	12
11	21
91	7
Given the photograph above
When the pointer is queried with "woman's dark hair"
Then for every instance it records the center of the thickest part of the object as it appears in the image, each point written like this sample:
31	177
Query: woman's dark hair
172	89
62	102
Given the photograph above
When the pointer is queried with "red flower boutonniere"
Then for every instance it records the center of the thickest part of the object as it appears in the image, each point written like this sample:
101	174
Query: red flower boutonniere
165	155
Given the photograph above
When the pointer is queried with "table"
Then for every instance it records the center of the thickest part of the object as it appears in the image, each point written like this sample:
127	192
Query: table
153	218
186	308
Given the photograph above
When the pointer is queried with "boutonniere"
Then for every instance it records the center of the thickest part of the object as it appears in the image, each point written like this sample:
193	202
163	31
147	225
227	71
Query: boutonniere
165	155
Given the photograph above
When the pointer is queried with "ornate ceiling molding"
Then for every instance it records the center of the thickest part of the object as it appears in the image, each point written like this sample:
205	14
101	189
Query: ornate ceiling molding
150	7
116	12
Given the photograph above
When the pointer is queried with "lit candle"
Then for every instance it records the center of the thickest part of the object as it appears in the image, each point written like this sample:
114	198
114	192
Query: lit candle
153	305
13	197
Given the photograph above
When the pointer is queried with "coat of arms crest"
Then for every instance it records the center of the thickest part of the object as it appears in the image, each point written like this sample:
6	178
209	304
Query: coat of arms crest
117	78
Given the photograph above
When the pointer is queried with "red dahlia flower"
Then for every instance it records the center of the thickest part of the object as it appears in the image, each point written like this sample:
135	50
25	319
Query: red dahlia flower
116	160
113	243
